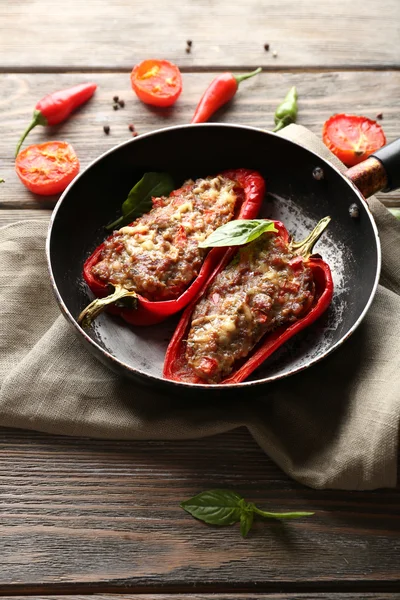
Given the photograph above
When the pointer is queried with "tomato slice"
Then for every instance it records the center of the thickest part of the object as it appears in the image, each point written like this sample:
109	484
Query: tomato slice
47	168
352	138
157	82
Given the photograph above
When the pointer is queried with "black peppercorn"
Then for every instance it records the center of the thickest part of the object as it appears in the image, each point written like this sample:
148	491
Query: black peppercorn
115	98
106	129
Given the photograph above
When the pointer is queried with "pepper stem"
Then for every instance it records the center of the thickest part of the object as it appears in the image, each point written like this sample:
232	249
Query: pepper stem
38	119
240	78
100	304
305	248
280	125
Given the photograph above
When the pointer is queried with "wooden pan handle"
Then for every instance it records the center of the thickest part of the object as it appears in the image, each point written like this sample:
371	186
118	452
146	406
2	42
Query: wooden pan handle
380	172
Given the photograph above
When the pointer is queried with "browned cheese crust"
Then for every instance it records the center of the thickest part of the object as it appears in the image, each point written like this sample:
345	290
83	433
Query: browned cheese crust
257	292
158	255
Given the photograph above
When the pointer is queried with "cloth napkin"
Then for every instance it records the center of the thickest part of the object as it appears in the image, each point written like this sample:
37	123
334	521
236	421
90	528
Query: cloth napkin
334	425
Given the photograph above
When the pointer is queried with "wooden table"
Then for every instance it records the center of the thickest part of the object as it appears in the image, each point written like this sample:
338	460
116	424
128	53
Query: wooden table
81	516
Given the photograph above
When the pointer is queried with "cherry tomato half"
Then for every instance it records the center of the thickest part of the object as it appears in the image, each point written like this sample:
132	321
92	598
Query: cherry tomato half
47	168
157	82
352	138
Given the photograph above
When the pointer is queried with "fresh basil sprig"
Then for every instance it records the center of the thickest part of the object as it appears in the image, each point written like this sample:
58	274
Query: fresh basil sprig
237	233
139	198
225	507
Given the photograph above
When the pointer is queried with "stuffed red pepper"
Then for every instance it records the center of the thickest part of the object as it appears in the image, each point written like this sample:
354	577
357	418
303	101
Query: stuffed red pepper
155	263
257	298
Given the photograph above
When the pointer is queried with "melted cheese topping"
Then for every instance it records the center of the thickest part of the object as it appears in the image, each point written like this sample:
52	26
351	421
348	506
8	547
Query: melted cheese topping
158	254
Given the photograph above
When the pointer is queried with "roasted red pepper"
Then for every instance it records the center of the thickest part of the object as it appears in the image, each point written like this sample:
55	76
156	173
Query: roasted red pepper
146	312
176	366
55	108
219	92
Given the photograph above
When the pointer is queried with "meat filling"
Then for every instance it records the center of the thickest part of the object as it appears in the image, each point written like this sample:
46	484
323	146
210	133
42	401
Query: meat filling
158	255
265	286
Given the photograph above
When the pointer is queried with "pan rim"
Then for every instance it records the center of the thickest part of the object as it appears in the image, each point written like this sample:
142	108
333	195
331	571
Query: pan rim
157	381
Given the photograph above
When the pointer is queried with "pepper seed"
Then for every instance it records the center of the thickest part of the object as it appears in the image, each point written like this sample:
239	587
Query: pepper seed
115	98
121	103
115	106
266	47
274	54
354	211
106	129
318	173
379	116
134	134
189	42
131	127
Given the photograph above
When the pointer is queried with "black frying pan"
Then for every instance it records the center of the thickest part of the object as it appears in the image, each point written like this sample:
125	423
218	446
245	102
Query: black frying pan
294	196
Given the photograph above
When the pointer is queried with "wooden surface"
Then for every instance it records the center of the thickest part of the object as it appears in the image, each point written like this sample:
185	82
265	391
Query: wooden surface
320	95
82	517
114	35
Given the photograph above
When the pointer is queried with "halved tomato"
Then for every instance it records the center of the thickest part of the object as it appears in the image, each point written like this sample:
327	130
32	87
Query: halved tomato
47	168
157	82
352	138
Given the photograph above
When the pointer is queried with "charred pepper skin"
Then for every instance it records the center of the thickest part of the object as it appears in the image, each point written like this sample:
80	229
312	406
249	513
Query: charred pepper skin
149	312
176	367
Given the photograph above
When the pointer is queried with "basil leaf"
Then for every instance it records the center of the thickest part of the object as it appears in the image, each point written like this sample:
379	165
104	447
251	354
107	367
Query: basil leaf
395	212
152	185
217	507
237	233
274	515
246	518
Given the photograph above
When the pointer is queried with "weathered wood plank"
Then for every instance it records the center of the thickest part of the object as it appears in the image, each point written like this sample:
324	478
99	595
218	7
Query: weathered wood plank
320	96
220	596
12	215
105	516
109	35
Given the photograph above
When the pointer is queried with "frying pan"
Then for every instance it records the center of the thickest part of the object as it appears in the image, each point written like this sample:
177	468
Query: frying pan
297	195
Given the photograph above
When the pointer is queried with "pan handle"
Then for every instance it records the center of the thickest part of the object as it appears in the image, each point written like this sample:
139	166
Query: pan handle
380	172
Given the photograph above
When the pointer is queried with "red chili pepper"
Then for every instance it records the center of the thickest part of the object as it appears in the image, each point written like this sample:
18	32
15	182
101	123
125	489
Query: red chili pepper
219	92
176	367
148	312
55	108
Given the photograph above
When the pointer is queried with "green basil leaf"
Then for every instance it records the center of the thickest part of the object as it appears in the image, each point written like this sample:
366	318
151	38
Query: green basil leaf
216	507
287	515
246	521
237	233
152	185
2	180
395	212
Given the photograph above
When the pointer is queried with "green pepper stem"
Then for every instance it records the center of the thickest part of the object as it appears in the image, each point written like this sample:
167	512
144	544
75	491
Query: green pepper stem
305	247
95	308
280	125
38	119
240	78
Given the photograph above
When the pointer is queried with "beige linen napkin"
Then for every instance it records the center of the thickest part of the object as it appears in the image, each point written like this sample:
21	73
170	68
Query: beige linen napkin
334	425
